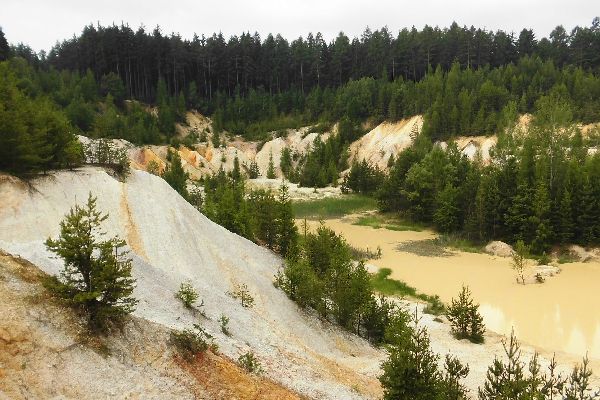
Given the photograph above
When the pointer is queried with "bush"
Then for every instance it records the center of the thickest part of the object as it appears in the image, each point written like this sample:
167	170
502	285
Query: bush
191	342
464	316
242	293
224	321
250	363
435	306
187	294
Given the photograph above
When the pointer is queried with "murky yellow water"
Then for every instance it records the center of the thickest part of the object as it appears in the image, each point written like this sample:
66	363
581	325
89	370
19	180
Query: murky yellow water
562	314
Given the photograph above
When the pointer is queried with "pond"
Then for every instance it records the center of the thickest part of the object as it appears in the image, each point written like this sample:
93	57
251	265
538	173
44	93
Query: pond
560	315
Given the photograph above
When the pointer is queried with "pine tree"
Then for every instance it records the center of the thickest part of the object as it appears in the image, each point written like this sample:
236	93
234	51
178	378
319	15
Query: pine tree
565	217
4	48
96	274
215	140
271	167
464	317
506	380
541	218
236	174
175	175
287	232
411	371
253	171
286	162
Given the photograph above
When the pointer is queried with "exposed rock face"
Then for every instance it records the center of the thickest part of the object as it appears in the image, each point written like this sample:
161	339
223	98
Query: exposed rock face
45	352
172	242
582	254
295	192
540	273
385	140
500	249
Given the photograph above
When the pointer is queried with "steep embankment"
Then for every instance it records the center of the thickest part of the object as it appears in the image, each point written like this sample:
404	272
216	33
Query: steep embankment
173	242
385	140
45	352
376	146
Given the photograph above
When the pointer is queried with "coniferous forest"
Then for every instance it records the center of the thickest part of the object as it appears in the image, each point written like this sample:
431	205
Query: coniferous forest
542	188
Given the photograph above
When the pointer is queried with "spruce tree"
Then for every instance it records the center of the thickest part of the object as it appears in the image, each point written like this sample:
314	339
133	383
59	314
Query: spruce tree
96	273
4	48
565	218
464	317
271	168
411	371
236	174
286	162
175	175
253	171
287	232
541	218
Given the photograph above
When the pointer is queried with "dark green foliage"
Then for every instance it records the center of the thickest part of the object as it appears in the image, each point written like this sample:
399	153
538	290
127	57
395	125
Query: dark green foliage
411	370
322	275
191	342
464	317
271	168
258	215
4	48
514	379
187	294
96	274
34	135
250	363
253	170
286	162
323	162
175	175
287	232
364	178
537	187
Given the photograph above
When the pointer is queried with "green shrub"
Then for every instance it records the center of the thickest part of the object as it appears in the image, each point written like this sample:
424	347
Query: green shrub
191	342
250	363
242	293
187	294
224	321
435	306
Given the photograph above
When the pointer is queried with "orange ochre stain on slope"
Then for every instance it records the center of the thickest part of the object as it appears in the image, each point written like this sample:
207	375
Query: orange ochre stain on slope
223	379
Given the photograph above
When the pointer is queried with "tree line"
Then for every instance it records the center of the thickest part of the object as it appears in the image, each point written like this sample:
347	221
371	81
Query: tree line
207	65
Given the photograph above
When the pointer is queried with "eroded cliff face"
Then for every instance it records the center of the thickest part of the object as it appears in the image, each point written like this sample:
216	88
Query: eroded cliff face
172	242
46	352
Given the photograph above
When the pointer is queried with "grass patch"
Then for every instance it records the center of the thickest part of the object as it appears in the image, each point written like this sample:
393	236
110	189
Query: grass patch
381	221
365	254
382	283
333	207
566	257
458	243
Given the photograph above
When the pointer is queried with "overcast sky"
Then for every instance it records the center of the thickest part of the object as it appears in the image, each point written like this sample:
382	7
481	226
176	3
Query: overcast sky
40	23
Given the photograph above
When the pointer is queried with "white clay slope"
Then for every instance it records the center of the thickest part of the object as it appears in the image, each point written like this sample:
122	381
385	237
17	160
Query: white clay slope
172	242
